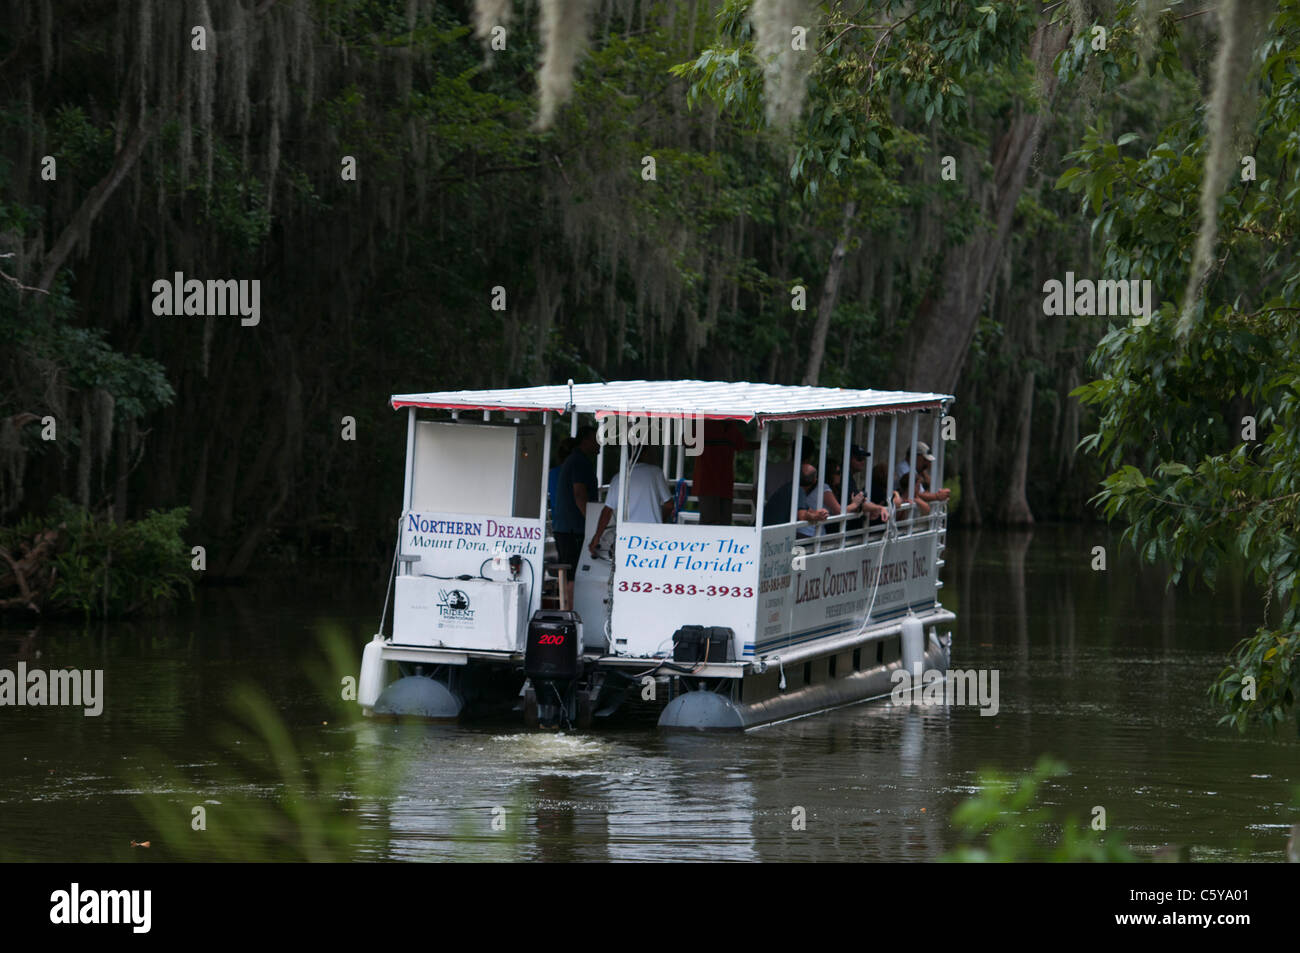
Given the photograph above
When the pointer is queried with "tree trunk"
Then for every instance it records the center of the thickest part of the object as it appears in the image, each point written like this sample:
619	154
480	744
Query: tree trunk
1015	506
945	323
830	291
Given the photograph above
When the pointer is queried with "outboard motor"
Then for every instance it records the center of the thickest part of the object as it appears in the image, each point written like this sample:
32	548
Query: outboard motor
553	664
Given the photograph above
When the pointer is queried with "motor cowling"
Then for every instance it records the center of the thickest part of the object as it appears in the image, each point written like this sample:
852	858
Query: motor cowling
553	650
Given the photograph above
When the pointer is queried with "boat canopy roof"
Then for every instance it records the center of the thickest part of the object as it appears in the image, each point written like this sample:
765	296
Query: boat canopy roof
716	400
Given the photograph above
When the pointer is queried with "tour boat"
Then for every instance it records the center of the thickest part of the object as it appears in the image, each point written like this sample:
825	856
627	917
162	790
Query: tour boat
714	627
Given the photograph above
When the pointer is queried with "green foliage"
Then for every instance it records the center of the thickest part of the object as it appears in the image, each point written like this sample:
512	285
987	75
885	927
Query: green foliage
868	81
1004	823
103	568
1201	431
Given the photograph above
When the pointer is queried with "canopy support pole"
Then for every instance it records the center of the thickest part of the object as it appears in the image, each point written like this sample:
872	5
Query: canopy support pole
911	472
844	481
410	460
871	460
889	467
624	479
821	477
796	453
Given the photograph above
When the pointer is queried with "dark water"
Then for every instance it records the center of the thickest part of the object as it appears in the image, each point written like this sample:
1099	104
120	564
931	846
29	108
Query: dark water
1104	670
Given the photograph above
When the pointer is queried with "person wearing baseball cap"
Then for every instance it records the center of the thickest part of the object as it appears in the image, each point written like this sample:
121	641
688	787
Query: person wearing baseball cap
857	499
904	466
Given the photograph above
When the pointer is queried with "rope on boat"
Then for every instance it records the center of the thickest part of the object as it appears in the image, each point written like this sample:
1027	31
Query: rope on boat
383	615
891	534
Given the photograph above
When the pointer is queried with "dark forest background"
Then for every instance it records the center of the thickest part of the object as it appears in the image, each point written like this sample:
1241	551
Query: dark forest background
226	163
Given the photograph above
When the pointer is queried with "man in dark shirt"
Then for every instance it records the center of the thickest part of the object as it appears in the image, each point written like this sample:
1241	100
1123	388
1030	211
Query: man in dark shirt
575	487
875	508
777	508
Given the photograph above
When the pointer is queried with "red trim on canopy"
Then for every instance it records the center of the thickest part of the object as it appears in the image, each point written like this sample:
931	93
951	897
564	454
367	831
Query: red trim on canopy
398	404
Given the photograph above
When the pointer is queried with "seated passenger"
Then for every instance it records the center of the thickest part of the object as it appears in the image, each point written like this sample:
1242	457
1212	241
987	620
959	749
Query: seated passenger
777	508
880	491
858	501
903	485
923	491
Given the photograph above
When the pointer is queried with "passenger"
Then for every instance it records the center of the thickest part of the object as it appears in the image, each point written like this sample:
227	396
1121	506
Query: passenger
901	490
649	498
880	490
923	491
714	477
575	486
904	466
830	501
777	508
858	502
876	513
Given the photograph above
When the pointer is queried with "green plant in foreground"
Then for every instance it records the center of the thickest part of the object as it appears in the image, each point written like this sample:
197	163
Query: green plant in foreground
1009	825
275	799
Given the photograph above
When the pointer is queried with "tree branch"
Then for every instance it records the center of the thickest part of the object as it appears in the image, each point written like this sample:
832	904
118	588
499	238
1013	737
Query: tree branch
93	203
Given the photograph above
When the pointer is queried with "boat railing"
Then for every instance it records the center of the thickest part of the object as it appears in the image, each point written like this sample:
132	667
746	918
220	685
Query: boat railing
835	535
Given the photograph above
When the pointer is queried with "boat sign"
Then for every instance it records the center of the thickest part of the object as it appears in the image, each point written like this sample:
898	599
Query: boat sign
669	576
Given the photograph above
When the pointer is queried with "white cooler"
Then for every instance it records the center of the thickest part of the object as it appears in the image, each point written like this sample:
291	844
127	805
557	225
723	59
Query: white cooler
459	613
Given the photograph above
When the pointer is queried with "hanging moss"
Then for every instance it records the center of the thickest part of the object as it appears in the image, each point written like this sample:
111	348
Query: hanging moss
1231	96
785	69
489	14
564	38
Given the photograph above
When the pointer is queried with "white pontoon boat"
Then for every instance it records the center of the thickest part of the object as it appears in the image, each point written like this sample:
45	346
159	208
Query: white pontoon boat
718	627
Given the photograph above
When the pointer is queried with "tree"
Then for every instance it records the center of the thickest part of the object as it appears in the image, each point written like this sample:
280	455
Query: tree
1198	421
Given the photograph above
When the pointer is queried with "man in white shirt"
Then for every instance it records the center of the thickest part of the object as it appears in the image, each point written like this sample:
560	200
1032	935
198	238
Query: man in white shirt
649	499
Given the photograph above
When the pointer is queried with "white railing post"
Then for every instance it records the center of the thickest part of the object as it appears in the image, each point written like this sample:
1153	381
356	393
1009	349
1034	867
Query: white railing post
536	602
844	482
936	468
911	472
600	459
623	481
665	441
870	446
889	464
821	481
409	488
797	453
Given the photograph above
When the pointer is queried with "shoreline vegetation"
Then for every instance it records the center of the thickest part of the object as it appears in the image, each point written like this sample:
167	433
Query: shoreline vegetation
73	561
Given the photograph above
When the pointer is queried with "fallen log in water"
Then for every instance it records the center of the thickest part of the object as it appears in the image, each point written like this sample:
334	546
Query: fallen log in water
30	575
